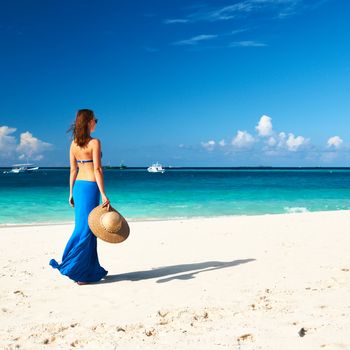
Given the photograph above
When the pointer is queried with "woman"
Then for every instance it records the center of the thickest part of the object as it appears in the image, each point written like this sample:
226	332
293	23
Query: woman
80	260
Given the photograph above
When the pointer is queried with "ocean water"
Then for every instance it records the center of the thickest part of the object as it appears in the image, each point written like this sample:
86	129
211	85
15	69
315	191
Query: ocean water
42	196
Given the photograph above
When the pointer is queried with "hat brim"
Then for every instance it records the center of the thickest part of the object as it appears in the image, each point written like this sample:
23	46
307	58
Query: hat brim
100	232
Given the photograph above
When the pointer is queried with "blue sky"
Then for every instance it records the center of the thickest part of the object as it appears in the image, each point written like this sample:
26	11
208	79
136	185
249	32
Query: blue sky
186	83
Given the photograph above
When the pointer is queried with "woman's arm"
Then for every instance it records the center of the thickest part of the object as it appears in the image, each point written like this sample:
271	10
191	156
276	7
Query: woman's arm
73	174
96	156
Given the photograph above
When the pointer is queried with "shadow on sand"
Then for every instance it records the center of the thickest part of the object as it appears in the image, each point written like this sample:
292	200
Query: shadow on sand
164	271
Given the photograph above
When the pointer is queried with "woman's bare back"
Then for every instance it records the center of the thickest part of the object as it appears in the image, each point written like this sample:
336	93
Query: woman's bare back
86	169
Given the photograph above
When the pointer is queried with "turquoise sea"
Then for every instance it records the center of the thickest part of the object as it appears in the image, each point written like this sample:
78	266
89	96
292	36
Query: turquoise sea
42	196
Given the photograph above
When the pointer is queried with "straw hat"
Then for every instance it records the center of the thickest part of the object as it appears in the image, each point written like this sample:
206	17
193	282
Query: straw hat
109	225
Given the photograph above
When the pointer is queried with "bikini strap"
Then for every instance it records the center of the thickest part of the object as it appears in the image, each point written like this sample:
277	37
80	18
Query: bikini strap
85	161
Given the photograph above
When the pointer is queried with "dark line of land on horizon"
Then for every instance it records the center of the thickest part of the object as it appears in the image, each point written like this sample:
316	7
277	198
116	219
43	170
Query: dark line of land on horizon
207	168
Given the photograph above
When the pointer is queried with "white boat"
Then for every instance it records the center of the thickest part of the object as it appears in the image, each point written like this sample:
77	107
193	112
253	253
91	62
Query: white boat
22	168
155	168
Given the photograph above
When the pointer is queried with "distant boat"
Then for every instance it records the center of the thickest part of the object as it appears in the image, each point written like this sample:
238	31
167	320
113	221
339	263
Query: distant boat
156	168
107	166
22	168
122	166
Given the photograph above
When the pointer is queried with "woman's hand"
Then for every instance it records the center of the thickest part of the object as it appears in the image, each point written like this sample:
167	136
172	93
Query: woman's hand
71	201
105	202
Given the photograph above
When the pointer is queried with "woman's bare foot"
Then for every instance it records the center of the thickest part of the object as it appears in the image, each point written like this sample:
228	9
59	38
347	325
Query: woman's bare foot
82	283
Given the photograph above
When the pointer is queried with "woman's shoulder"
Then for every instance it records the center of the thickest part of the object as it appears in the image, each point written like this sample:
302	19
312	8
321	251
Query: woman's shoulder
94	142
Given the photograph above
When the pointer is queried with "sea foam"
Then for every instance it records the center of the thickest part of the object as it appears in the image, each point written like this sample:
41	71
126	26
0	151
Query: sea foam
296	210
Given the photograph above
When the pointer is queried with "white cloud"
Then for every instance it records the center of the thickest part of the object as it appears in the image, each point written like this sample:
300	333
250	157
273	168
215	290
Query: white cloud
237	31
34	157
7	142
175	20
209	146
295	142
278	144
240	8
28	146
334	142
247	43
284	147
31	146
271	141
243	139
194	40
264	127
281	139
290	142
230	11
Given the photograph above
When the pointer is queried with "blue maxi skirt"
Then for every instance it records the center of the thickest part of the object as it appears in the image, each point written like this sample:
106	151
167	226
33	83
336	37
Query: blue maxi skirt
80	260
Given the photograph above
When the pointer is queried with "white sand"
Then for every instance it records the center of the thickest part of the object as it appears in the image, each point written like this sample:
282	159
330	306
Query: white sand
221	283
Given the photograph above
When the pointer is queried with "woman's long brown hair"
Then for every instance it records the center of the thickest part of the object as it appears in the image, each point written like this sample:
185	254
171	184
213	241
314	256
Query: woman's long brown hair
80	129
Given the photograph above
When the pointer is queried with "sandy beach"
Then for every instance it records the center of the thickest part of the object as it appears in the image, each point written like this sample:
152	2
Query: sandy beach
245	282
